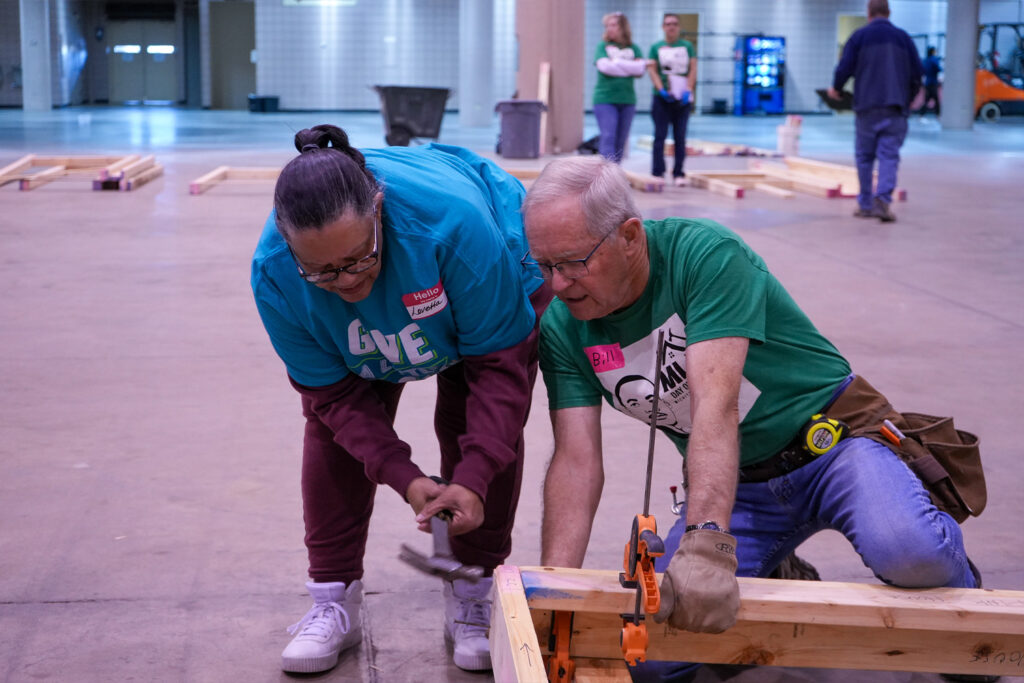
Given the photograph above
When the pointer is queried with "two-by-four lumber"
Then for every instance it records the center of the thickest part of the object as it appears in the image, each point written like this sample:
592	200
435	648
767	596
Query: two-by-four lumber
638	181
800	623
645	182
140	177
716	185
14	170
34	180
221	173
515	652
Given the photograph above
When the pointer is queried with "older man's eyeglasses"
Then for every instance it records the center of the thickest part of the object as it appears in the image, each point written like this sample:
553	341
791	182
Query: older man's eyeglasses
571	270
330	275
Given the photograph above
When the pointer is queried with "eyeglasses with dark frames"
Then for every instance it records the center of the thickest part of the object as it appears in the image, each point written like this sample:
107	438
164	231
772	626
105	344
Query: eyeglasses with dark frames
571	270
330	275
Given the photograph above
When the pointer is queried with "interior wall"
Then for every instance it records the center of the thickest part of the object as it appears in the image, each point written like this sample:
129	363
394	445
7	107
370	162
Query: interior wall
10	54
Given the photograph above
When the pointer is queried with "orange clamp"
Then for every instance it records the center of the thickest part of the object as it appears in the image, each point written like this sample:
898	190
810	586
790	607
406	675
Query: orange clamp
634	642
561	669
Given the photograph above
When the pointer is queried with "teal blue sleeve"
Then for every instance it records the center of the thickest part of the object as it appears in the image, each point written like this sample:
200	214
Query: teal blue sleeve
307	362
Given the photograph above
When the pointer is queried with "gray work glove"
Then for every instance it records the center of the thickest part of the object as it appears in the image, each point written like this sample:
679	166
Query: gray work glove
699	591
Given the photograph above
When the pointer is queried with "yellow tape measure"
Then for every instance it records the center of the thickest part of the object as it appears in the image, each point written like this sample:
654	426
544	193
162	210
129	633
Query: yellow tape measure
822	433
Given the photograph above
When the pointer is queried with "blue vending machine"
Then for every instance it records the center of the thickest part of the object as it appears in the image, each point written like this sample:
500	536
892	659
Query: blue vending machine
760	83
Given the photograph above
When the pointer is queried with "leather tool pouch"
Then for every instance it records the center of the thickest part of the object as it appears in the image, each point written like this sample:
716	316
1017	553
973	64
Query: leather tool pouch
946	459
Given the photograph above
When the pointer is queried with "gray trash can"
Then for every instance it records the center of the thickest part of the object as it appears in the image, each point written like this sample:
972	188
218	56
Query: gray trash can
520	128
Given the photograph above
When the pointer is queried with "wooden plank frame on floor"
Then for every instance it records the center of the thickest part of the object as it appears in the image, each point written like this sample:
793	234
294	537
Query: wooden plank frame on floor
222	173
106	171
820	624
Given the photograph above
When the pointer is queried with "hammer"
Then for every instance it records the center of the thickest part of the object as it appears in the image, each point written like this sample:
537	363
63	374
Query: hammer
442	563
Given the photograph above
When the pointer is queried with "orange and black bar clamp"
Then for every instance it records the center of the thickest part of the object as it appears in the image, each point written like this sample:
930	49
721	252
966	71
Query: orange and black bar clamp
643	546
561	668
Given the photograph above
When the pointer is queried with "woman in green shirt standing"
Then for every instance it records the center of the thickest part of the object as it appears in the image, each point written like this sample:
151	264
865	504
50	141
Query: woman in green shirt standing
618	62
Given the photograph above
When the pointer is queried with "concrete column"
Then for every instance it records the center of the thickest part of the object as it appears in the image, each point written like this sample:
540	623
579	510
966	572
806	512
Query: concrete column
552	31
36	85
476	62
959	64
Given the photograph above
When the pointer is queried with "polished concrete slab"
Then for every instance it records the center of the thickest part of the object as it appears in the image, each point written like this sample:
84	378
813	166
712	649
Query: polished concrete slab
149	442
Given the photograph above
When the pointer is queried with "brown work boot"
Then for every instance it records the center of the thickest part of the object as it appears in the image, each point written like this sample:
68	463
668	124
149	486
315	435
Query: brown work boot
864	213
883	212
795	568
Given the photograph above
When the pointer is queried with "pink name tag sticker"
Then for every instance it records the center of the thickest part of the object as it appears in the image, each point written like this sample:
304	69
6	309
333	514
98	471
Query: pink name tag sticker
605	357
426	303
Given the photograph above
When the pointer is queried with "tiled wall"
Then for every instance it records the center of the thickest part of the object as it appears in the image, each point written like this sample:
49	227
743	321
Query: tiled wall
328	57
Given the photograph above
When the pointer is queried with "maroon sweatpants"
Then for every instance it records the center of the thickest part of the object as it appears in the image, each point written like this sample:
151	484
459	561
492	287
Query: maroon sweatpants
337	497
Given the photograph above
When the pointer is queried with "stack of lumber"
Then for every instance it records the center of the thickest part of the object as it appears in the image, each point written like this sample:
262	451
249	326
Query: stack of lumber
105	172
638	181
844	178
708	148
794	174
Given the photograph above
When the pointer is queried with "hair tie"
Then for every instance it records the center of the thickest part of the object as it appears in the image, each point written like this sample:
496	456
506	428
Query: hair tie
309	148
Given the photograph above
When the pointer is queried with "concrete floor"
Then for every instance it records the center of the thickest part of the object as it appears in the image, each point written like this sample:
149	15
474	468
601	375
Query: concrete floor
149	442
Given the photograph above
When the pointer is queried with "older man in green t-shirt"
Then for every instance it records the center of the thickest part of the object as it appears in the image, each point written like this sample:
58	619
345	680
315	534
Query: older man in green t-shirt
744	374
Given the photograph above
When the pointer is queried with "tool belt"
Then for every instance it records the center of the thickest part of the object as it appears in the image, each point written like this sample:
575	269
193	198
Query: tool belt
946	460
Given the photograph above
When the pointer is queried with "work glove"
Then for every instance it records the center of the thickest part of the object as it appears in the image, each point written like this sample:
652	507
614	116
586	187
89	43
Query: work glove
685	98
666	95
699	591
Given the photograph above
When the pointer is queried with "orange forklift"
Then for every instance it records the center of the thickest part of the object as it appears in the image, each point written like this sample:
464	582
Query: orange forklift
999	78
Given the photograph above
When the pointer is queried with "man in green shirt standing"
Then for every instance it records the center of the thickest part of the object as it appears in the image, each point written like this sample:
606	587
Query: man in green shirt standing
673	70
745	375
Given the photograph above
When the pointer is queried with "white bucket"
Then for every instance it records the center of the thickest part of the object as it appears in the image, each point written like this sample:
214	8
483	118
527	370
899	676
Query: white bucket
789	140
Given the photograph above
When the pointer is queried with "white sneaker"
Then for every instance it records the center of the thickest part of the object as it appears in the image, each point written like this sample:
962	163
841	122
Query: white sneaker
331	625
467	621
680	181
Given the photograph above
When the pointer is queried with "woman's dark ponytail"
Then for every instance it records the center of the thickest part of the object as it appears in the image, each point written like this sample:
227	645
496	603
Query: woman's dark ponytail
328	179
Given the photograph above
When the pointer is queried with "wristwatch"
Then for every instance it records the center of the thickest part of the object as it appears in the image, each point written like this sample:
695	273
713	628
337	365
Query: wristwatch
713	526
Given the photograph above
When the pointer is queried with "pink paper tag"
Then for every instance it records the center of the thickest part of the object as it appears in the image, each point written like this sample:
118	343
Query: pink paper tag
605	357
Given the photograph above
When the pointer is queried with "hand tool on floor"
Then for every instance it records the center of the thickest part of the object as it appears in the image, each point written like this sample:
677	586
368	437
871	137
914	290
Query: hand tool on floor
442	563
643	546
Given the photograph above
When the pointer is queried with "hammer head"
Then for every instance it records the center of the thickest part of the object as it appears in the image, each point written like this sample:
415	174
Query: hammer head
442	563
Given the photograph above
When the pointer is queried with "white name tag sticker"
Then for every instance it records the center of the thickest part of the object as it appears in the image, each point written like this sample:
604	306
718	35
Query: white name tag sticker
426	303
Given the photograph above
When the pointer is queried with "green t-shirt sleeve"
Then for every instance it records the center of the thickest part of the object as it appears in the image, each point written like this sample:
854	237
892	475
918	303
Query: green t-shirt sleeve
601	51
690	49
567	384
725	293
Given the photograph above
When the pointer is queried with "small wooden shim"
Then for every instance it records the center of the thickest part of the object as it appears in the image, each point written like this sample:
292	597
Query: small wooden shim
124	172
222	173
819	624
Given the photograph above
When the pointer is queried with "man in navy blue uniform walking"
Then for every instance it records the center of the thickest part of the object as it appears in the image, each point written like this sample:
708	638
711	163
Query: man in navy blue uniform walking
887	74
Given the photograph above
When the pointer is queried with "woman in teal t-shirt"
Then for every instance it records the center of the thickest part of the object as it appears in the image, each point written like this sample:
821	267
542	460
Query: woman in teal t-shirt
618	62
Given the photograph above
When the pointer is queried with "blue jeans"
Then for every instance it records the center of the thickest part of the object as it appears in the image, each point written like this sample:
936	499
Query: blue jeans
859	488
880	134
613	122
664	114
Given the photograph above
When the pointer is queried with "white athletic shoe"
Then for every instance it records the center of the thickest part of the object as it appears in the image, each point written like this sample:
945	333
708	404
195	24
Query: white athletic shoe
467	621
331	625
680	181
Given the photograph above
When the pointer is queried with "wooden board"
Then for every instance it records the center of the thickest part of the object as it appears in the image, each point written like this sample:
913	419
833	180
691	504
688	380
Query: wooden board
544	95
783	623
644	182
222	173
